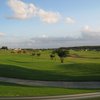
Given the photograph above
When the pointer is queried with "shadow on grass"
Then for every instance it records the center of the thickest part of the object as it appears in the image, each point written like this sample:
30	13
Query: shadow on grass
81	71
32	74
25	73
92	68
12	84
16	61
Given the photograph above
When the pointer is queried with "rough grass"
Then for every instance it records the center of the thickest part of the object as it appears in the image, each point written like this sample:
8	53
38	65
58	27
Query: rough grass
25	66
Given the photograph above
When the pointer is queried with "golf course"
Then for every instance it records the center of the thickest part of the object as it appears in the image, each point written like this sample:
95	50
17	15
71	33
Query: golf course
78	66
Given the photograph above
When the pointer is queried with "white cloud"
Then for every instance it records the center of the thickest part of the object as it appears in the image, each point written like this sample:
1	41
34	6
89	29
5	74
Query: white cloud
22	10
49	17
69	20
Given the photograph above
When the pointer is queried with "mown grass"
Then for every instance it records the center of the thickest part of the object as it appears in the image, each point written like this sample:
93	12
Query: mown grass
25	66
7	89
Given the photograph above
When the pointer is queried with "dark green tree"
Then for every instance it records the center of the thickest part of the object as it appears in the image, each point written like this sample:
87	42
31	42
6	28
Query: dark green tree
38	53
62	53
33	54
52	56
4	47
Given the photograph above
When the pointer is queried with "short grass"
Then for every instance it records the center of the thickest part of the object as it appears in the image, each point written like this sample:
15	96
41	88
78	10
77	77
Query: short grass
24	66
7	89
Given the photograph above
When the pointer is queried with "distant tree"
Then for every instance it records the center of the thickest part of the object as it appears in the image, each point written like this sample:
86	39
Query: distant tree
33	54
52	56
19	51
38	53
4	47
62	53
24	51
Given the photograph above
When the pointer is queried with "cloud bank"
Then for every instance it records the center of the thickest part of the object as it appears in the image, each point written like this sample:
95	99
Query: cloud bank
89	33
52	43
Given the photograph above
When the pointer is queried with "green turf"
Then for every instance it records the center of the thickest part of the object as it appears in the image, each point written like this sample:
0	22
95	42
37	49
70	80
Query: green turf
86	67
7	89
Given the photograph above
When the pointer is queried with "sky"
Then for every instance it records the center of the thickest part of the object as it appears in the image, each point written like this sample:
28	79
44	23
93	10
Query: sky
49	23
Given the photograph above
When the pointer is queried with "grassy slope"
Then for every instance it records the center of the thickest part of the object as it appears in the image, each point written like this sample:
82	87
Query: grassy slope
19	90
25	66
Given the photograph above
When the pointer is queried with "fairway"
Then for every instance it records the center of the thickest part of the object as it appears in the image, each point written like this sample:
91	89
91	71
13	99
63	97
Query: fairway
84	67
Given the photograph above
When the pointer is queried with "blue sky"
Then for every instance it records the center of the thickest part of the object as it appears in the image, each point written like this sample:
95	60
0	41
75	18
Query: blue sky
27	23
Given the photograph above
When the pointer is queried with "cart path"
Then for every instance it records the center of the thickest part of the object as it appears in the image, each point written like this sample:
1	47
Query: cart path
52	83
64	97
